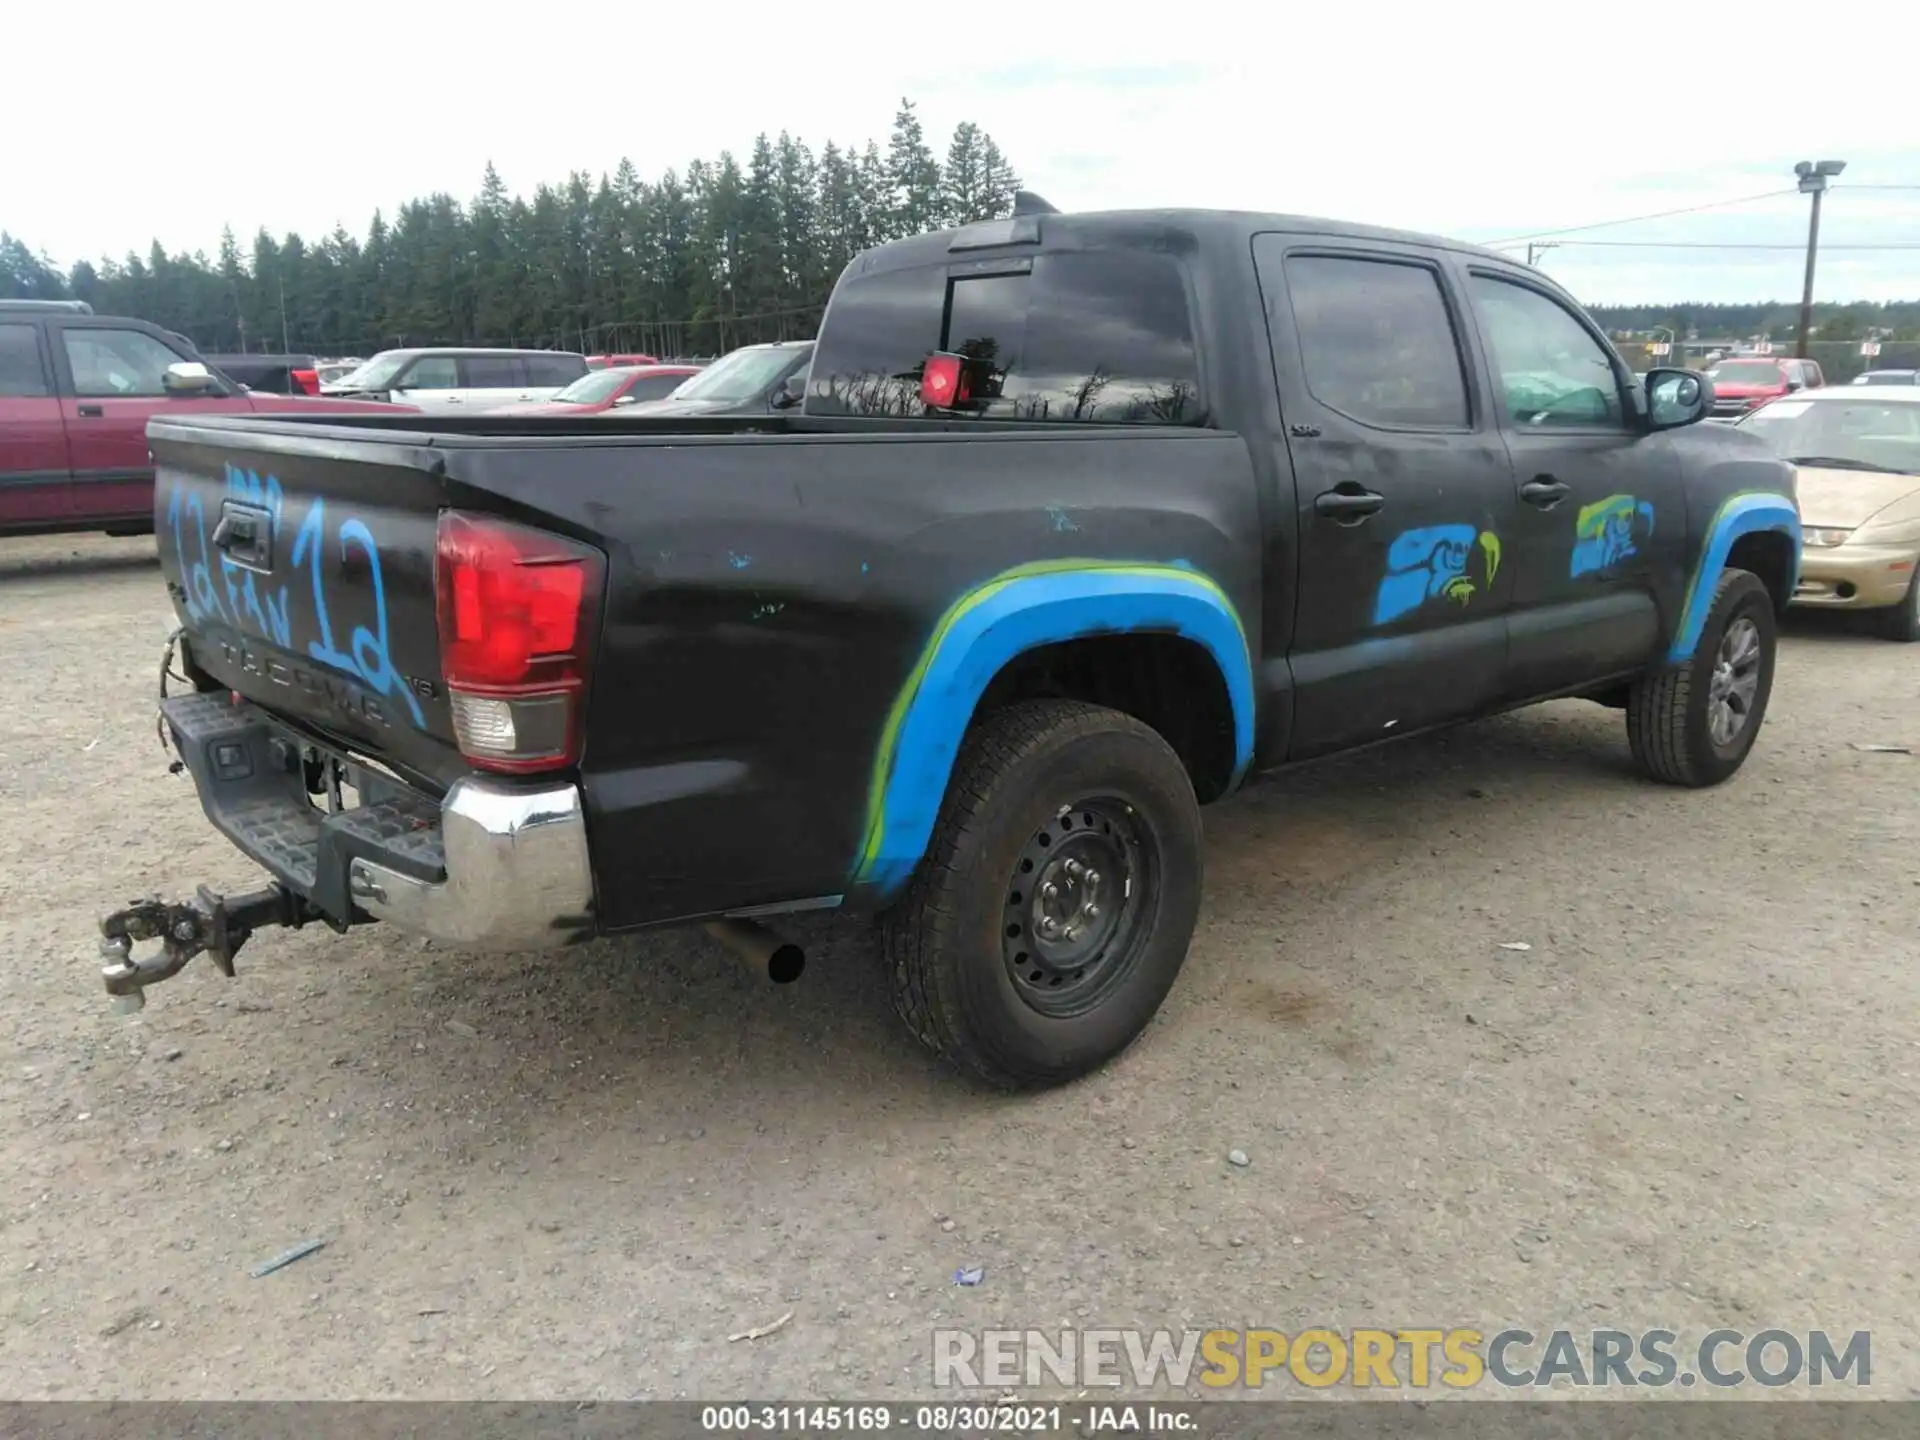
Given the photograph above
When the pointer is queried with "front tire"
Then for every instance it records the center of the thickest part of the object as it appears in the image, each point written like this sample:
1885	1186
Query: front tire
1058	896
1902	622
1693	724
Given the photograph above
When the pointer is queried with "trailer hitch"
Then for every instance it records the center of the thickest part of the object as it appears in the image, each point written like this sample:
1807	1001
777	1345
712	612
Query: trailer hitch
216	925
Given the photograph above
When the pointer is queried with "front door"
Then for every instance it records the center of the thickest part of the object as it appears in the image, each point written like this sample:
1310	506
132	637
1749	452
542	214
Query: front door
1600	531
118	384
1404	493
432	384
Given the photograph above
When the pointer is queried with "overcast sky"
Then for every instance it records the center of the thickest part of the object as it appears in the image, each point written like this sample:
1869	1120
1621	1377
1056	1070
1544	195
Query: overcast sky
1480	120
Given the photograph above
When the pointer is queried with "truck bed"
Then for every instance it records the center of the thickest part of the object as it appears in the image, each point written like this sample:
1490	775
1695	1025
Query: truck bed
771	586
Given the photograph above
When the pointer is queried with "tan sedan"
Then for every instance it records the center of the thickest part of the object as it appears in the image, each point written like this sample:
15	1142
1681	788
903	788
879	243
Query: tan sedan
1857	450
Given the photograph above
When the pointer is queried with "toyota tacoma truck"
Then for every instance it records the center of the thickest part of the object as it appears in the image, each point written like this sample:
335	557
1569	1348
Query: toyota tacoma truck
1083	521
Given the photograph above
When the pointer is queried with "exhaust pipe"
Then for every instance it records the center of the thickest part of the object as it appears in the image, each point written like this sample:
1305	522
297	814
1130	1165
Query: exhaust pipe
778	960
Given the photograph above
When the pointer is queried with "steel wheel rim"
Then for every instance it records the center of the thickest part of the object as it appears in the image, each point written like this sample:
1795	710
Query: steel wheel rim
1078	907
1735	683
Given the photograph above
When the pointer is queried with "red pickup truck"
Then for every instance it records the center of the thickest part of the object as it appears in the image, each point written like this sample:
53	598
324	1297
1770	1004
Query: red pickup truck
76	392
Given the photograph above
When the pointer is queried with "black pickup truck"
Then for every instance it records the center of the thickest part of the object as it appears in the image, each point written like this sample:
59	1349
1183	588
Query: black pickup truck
1084	520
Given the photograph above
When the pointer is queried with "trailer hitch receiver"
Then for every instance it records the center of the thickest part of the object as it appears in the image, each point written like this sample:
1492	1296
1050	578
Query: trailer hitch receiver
217	925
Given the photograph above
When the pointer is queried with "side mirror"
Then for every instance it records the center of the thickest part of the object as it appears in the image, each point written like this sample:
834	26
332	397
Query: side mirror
792	391
1676	398
187	378
626	400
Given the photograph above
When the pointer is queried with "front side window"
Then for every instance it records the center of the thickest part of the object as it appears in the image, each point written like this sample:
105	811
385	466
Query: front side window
432	372
1376	341
1552	371
1100	337
109	363
22	376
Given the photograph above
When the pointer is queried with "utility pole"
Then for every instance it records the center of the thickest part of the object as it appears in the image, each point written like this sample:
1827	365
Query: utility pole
1539	247
286	345
1814	176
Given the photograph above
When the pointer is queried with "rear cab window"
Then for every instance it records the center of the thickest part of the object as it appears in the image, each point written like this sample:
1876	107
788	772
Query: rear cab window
1094	336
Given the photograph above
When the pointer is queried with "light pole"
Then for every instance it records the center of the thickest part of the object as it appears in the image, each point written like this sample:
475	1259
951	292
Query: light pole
1814	175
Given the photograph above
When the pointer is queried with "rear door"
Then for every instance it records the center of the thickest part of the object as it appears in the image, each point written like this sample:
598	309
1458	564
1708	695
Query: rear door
490	381
36	474
1405	493
432	383
1600	524
116	382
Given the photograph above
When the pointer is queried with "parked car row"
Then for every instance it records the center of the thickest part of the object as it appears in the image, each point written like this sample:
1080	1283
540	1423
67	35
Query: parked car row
76	393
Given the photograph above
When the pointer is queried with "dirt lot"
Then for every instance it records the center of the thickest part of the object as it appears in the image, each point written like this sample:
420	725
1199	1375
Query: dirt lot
1689	1104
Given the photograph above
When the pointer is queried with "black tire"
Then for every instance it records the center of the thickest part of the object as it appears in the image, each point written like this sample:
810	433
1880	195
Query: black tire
1029	777
1669	725
1902	622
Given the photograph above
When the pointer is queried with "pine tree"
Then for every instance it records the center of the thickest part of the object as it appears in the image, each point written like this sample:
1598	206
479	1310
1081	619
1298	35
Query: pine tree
913	176
673	267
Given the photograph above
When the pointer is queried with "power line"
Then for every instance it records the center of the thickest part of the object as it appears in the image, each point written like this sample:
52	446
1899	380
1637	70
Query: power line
1636	219
1725	245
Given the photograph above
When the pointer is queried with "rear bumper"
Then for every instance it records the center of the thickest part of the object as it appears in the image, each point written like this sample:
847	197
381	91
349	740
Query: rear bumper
491	866
1854	577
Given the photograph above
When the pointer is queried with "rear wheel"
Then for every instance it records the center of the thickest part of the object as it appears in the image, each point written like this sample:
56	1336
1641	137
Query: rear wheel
1902	622
1058	897
1693	724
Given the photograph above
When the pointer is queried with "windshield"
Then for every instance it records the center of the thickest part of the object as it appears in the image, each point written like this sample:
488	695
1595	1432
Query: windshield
740	376
592	388
1746	372
1851	434
378	372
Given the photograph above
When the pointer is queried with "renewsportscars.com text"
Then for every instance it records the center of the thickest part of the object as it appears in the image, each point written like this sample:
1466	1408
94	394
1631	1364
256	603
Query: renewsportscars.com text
1412	1358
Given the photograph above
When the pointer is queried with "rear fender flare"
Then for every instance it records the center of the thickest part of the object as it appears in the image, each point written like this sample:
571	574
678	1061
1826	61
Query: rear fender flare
992	625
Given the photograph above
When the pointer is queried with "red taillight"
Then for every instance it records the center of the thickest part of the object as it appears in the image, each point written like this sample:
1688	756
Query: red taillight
308	381
943	382
516	609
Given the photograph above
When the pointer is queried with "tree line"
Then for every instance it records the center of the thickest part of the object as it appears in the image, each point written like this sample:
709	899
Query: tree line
696	262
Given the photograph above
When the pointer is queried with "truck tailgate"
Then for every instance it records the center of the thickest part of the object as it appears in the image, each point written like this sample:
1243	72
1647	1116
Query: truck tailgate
301	568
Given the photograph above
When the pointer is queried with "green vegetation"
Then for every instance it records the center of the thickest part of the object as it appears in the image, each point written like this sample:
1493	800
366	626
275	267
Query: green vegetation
693	263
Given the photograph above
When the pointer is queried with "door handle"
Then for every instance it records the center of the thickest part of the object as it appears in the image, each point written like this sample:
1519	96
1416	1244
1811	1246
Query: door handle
92	412
1348	507
1544	491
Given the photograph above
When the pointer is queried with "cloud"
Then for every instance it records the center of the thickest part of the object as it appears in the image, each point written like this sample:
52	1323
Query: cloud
1487	120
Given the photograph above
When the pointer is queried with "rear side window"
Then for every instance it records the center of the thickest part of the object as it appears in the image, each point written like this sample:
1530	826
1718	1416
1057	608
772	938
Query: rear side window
1100	337
22	375
553	369
1377	342
492	372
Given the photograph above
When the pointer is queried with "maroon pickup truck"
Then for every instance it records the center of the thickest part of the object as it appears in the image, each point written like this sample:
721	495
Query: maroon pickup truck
76	392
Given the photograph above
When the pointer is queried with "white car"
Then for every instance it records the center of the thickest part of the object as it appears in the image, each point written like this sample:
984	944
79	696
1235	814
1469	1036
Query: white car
461	381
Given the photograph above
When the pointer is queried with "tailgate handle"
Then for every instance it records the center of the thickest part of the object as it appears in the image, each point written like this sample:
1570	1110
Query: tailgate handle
244	533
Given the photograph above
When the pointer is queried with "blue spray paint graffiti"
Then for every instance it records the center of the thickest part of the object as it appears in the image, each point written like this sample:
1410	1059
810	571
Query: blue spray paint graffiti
246	609
1607	532
1430	562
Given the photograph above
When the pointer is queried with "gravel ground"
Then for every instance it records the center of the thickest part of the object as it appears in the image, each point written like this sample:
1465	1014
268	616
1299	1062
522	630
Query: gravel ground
1689	1104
